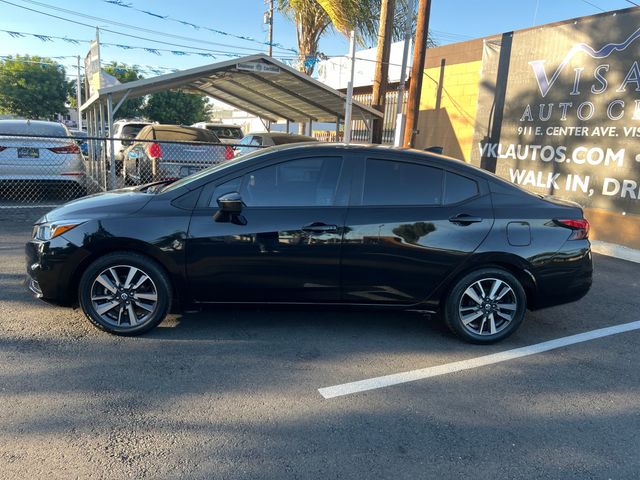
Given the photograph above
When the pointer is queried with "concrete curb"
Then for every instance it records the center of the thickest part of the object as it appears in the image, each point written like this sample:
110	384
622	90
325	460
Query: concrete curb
617	251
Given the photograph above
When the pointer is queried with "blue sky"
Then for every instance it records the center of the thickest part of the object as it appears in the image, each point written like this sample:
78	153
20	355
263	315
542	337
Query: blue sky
451	20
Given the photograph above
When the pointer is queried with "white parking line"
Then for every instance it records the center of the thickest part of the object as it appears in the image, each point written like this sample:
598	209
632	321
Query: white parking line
413	375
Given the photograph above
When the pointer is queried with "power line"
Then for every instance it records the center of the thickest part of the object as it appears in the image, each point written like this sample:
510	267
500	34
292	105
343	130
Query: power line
45	38
124	25
593	5
120	3
633	3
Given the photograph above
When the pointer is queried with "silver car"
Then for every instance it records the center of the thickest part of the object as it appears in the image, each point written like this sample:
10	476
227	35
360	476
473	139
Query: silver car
36	154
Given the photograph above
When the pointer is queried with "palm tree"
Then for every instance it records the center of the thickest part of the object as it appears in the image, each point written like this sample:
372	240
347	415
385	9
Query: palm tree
313	18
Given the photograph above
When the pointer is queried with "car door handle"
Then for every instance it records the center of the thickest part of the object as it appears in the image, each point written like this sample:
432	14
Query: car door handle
464	219
318	227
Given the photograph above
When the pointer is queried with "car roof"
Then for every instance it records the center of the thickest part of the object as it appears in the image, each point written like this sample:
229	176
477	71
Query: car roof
176	132
132	120
217	124
20	121
374	149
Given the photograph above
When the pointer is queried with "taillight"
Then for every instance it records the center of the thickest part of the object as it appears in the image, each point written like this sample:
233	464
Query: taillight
154	150
580	227
228	153
73	148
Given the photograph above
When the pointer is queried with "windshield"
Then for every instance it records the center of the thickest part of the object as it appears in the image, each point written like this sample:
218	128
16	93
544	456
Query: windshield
216	168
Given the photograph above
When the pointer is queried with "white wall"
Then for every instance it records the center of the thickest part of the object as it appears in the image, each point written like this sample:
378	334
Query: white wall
335	71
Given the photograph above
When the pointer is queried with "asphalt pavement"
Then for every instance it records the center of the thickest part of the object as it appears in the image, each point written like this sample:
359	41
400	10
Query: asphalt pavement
233	392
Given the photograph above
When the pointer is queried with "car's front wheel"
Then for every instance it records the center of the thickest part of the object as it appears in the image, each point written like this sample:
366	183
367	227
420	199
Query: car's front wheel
485	306
125	293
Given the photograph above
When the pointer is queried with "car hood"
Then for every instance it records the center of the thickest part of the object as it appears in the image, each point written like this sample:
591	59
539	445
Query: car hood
110	204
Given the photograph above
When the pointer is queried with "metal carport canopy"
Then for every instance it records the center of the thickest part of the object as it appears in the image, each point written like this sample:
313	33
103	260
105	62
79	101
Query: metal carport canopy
256	84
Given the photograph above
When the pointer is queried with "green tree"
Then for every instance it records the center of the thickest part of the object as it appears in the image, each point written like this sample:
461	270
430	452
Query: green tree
130	108
32	87
313	18
177	107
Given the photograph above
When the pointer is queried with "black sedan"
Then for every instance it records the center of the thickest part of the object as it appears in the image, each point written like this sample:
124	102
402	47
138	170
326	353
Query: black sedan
317	224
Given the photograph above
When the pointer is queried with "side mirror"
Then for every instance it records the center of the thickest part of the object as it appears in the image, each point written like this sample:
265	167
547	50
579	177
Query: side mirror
126	143
230	203
230	209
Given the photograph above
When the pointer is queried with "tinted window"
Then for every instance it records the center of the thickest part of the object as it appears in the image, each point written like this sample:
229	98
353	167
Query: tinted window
458	188
308	182
399	183
132	130
229	133
256	141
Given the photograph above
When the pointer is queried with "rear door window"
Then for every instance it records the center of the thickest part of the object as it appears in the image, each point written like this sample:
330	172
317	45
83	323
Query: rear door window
390	182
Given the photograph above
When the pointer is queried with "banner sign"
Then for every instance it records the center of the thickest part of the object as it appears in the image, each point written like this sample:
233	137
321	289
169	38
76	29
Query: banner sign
257	67
559	110
92	69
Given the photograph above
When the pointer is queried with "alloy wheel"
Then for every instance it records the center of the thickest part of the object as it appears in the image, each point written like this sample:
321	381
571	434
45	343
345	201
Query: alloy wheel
124	296
487	306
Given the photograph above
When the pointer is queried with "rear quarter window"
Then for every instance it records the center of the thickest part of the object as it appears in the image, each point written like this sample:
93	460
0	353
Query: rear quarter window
458	188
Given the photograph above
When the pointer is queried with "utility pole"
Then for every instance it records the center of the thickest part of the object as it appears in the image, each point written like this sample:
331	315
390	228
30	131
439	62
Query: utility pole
349	104
417	71
400	117
79	95
381	78
270	14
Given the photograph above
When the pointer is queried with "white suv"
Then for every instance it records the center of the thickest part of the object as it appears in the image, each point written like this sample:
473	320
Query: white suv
124	131
229	134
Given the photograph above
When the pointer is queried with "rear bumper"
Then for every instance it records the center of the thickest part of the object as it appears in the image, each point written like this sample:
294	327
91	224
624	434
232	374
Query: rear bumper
566	277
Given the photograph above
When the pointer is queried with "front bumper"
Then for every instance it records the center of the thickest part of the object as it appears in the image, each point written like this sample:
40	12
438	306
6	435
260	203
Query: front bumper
50	269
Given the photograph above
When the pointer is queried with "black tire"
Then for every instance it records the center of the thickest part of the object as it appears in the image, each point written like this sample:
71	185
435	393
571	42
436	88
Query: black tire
462	300
91	290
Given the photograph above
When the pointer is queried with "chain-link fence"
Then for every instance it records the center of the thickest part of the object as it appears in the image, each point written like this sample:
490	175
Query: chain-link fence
48	171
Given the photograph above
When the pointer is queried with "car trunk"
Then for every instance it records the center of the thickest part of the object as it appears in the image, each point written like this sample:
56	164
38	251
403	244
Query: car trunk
33	152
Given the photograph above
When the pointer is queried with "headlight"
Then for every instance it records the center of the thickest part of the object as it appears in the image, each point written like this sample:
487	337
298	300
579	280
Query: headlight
49	230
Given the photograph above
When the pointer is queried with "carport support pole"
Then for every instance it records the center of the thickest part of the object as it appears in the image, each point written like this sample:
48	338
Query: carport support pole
287	126
90	142
347	113
311	127
337	129
103	154
112	153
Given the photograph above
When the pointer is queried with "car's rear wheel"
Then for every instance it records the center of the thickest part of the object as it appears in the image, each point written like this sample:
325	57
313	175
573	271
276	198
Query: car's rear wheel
485	306
125	293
